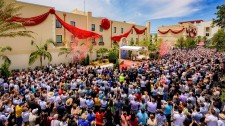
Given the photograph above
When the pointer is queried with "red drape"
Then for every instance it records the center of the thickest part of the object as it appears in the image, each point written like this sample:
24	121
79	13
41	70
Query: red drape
117	38
178	31
139	31
32	21
79	33
163	32
170	30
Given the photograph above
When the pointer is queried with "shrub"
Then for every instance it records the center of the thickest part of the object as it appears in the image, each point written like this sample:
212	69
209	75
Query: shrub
113	56
4	70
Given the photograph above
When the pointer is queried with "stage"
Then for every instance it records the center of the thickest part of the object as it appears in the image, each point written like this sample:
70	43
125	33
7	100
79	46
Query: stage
129	63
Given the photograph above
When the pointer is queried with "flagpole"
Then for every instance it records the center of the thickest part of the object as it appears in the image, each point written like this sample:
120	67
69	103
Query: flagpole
84	6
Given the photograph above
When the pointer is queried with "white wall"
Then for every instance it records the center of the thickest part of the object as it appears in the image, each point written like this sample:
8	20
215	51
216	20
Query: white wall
201	29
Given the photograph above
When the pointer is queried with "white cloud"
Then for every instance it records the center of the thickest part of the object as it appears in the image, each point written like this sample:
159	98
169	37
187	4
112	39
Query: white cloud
175	8
130	10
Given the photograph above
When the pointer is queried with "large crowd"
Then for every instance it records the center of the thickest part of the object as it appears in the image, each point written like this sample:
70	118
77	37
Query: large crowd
182	88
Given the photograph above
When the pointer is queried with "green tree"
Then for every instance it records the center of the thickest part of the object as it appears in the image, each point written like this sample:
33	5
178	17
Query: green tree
218	40
41	52
3	56
198	39
102	51
114	53
220	16
180	43
155	38
190	43
10	28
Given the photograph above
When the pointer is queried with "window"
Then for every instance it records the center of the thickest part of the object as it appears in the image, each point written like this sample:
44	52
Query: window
101	41
207	34
114	29
93	27
136	39
100	28
58	24
72	38
132	31
207	29
131	39
73	23
121	30
93	41
59	38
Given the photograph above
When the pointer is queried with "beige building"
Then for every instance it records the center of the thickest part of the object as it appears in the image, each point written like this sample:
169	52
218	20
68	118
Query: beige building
171	38
205	29
51	28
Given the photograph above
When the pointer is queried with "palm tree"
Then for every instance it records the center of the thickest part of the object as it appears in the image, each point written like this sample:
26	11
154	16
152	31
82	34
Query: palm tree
64	50
4	57
41	52
10	28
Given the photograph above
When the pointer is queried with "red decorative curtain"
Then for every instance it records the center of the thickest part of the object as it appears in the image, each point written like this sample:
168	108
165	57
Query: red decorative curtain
139	31
177	32
170	30
163	32
117	38
79	33
31	21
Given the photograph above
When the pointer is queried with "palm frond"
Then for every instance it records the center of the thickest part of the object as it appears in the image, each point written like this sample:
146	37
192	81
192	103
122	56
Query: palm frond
10	28
34	43
64	51
6	59
49	41
16	34
6	48
33	57
49	56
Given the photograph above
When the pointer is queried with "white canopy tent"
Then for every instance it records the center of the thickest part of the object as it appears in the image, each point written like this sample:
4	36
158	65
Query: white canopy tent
133	48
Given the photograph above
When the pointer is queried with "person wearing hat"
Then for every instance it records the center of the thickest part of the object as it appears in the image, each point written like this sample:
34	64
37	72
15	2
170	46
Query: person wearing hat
69	105
19	109
33	117
221	121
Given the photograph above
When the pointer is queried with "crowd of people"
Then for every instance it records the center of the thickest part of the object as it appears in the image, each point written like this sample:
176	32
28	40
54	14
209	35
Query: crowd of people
182	88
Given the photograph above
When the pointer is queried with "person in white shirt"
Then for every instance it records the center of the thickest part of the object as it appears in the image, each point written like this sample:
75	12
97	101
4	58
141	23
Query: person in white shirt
42	103
152	106
179	118
83	102
211	119
221	121
55	121
32	117
25	115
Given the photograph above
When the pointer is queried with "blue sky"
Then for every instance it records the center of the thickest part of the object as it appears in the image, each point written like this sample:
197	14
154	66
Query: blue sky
158	12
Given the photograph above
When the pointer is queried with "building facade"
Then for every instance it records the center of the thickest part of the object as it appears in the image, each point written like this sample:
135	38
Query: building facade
170	34
205	29
52	29
202	28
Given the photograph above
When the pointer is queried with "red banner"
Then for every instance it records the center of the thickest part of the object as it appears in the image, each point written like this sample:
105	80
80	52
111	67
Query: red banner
79	33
